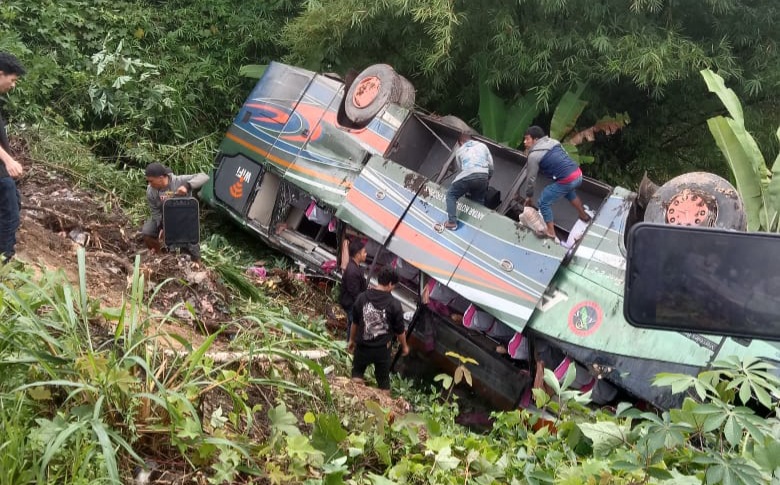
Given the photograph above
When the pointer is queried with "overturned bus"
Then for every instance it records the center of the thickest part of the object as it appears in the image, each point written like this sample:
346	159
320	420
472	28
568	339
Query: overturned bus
310	162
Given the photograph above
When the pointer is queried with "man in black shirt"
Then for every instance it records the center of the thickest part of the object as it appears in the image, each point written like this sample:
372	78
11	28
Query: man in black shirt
378	316
353	282
10	72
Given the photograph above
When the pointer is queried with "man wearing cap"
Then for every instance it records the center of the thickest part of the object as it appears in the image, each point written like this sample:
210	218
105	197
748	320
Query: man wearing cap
549	157
10	71
475	165
163	184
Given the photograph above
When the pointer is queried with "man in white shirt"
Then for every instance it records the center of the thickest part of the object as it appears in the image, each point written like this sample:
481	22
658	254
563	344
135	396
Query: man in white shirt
475	164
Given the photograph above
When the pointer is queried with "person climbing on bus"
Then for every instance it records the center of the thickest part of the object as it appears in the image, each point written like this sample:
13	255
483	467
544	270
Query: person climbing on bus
549	157
475	167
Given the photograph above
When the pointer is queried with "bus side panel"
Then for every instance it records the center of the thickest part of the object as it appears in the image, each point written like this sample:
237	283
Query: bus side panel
331	157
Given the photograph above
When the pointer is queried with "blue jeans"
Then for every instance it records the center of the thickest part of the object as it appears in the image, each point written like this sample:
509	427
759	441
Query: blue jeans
9	217
474	185
555	191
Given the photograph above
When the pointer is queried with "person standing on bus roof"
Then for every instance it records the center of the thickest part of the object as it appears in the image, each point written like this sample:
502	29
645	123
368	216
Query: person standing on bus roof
549	157
475	166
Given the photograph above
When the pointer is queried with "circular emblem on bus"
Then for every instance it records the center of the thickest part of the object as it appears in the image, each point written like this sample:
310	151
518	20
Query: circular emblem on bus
585	318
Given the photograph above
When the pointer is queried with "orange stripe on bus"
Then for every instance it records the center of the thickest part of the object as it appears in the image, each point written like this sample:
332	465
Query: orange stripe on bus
388	219
292	166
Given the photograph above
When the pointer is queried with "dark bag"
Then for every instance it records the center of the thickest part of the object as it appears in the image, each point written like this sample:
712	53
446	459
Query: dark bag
181	221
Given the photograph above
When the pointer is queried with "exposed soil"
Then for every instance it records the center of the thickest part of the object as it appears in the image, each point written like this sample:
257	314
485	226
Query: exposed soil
59	218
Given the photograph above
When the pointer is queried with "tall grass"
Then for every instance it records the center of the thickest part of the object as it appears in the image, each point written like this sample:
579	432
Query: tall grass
76	400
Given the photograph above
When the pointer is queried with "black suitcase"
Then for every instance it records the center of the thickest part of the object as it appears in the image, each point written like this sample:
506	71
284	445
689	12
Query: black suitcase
181	221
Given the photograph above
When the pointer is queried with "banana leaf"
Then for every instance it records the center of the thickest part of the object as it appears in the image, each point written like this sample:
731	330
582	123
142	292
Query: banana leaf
520	116
741	164
729	99
760	188
575	154
609	125
773	194
492	111
569	108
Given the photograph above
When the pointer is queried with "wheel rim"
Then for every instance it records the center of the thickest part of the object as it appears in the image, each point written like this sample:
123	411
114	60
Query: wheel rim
689	208
366	91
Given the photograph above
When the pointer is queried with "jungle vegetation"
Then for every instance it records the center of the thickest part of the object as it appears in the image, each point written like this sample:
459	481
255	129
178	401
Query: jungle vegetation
115	84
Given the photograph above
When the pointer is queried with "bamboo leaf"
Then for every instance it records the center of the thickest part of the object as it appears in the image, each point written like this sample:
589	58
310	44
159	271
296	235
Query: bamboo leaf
727	96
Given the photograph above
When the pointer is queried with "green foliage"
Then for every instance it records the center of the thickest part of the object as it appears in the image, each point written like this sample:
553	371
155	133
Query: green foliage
75	402
460	373
758	186
568	111
139	81
505	124
640	58
76	399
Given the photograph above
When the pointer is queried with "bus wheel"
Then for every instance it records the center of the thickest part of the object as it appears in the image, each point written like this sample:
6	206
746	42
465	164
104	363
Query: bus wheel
373	89
697	199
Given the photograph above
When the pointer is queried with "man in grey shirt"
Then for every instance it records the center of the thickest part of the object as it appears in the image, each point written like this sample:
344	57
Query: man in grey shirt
547	156
163	184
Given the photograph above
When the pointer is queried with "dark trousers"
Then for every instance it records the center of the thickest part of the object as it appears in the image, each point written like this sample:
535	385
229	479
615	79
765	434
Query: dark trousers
475	185
350	318
379	356
9	217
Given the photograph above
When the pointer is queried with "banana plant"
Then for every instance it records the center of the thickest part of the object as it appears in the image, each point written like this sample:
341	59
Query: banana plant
507	123
758	186
501	122
564	120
